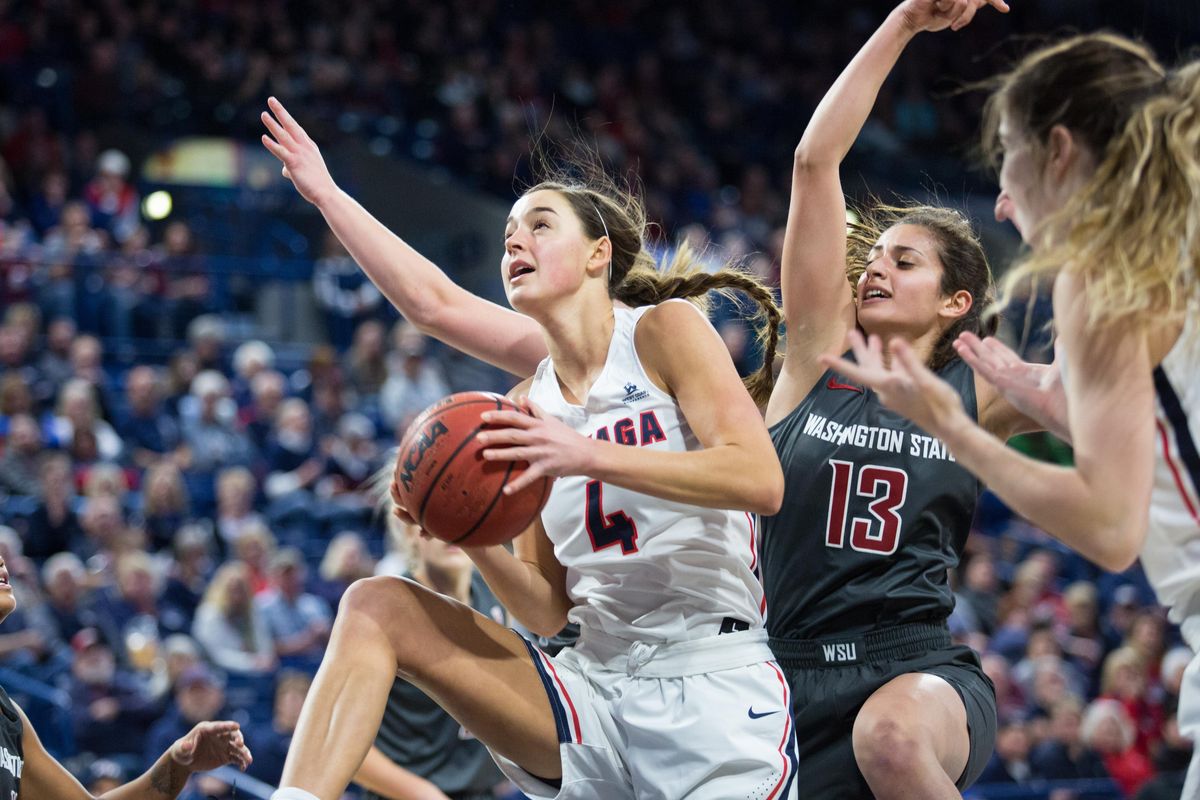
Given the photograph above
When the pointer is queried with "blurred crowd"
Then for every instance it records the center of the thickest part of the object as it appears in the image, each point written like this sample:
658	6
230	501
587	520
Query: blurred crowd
179	523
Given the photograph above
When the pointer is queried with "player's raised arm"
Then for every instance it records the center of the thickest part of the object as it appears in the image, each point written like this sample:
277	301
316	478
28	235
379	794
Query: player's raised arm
416	286
817	302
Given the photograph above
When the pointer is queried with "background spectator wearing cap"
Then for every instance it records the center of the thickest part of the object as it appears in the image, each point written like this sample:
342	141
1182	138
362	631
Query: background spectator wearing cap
299	622
414	380
109	707
111	198
103	775
199	697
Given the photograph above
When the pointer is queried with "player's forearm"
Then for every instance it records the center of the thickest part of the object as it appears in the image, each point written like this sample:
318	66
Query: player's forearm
729	476
386	778
844	109
427	297
165	779
528	594
1104	526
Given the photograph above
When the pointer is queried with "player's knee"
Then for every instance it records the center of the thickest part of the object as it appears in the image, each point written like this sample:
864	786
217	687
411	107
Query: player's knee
886	747
381	604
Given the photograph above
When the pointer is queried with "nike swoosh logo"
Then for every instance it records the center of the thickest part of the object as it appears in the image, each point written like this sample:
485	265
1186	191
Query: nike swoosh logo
833	384
753	715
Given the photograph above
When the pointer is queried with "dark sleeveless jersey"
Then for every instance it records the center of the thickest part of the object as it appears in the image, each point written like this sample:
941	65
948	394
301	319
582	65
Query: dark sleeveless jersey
874	513
419	736
12	755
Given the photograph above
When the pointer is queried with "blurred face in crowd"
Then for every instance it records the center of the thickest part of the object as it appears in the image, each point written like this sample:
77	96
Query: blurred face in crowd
199	700
1064	723
63	587
95	665
289	701
141	389
24	435
1012	742
60	335
981	573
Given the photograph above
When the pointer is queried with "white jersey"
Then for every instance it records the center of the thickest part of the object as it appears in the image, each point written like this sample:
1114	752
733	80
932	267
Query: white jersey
640	567
1171	553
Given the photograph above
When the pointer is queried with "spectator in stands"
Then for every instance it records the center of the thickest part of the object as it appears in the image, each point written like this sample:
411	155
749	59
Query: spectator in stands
107	480
250	359
69	251
19	463
979	589
199	697
299	622
1062	755
109	707
54	366
182	369
236	489
353	454
190	569
330	402
1125	679
111	198
345	295
189	287
367	360
270	740
47	204
254	549
293	458
105	534
1171	761
414	381
103	775
208	426
149	432
1010	761
65	582
346	560
133	605
1148	637
166	506
267	391
53	526
1108	730
15	397
230	628
79	410
1086	639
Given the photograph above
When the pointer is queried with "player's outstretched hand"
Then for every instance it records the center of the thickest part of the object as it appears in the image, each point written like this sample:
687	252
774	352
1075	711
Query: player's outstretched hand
210	745
1035	390
302	162
550	447
904	383
937	15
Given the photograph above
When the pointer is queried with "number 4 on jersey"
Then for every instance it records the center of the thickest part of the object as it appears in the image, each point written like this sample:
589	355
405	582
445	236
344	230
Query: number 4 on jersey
887	489
607	530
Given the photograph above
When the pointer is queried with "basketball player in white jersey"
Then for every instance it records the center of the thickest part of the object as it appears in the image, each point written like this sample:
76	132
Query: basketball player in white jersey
1100	173
638	411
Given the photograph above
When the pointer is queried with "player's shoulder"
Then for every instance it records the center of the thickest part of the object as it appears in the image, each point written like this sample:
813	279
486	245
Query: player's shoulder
521	389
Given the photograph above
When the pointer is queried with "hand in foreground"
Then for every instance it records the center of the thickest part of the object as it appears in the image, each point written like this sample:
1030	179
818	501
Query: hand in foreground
210	745
937	15
302	162
550	446
905	385
1035	390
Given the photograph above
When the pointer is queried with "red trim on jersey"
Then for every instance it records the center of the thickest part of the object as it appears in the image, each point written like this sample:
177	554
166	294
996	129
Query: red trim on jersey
563	691
787	731
753	544
1179	484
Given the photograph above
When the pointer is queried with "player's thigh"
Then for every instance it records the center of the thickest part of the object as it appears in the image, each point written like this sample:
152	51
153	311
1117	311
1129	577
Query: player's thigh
480	672
918	715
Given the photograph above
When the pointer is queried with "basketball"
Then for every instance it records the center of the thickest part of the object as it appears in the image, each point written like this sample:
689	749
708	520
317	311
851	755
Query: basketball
450	489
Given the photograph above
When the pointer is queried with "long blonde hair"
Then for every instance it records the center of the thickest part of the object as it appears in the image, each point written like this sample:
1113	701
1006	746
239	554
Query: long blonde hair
1132	232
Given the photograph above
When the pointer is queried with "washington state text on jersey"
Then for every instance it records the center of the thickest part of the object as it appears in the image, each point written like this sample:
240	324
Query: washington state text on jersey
885	439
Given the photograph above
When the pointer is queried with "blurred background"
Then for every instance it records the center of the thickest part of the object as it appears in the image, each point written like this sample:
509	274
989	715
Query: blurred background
195	379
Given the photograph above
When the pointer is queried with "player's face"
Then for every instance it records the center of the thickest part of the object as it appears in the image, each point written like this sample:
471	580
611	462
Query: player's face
545	250
7	601
1028	192
900	290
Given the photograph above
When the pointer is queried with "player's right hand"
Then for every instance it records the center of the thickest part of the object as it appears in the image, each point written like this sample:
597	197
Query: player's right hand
937	15
302	161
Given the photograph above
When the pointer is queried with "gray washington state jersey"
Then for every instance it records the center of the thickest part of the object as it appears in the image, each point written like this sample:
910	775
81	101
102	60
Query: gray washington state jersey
875	511
12	756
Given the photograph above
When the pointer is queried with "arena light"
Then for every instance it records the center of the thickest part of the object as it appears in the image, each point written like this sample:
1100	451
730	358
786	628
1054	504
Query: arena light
157	205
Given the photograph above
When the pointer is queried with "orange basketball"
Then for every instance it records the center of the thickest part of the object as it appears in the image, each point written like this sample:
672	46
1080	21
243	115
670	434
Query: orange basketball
447	486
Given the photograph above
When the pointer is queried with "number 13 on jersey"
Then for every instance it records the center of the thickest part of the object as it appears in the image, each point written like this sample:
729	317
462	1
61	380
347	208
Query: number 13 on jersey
886	488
